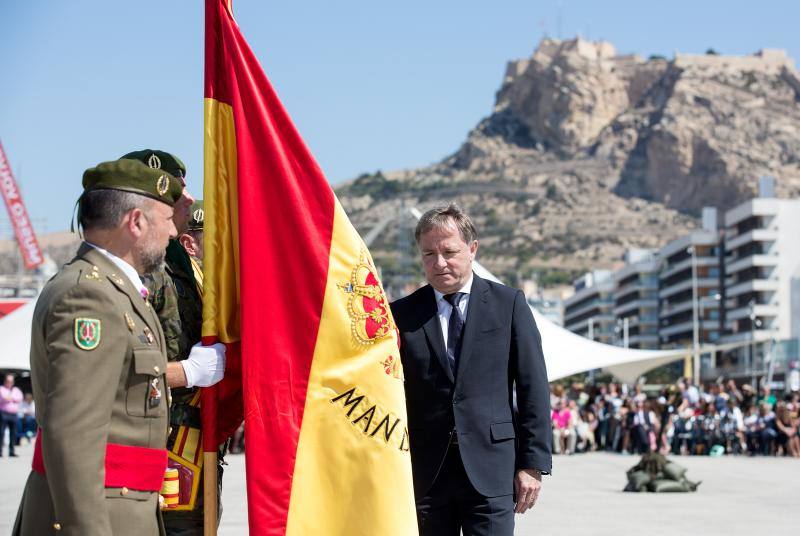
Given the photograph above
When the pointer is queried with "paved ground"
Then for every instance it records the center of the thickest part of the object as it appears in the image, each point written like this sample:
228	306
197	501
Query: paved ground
738	496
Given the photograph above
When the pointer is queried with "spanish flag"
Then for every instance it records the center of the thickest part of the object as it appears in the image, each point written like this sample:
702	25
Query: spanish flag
292	290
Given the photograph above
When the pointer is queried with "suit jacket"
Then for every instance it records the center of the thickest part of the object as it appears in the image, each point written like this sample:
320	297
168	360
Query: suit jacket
88	395
501	348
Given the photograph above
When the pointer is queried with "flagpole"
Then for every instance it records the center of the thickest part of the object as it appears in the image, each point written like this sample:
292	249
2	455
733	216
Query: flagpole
210	489
208	409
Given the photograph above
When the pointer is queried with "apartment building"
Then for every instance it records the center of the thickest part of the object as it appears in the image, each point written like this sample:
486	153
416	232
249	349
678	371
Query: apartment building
636	300
762	275
589	312
690	273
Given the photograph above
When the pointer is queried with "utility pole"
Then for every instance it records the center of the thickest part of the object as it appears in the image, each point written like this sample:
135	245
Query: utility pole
591	337
625	332
695	323
754	323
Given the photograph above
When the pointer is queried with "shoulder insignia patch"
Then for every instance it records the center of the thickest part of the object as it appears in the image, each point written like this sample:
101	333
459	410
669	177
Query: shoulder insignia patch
87	333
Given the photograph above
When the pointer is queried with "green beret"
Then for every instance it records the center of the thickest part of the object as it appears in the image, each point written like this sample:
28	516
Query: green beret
160	160
197	216
135	177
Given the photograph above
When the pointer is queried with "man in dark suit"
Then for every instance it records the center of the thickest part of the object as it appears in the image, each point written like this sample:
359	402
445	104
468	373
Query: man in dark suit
478	452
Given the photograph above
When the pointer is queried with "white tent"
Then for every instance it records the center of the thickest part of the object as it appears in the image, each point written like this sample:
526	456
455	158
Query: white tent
567	353
15	332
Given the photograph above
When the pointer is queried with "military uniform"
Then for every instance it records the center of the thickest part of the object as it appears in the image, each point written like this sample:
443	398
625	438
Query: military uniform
176	297
196	221
98	371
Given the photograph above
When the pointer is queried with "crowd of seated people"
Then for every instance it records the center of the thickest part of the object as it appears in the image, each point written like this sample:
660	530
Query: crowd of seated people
719	418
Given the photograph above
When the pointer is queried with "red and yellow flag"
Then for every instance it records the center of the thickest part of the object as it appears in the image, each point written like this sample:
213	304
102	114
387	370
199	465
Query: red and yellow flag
292	289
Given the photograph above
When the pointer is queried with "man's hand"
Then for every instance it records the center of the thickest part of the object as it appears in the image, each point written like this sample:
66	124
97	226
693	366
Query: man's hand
527	485
205	365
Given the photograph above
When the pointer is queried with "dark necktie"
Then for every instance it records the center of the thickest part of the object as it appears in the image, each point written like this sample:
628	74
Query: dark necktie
455	328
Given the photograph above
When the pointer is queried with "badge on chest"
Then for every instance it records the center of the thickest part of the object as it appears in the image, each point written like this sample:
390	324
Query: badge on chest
154	396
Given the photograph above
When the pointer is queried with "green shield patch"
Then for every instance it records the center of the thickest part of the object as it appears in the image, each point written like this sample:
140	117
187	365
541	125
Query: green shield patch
87	333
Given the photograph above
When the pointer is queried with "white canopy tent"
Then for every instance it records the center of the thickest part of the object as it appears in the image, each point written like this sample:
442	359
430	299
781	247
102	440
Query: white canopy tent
567	353
15	332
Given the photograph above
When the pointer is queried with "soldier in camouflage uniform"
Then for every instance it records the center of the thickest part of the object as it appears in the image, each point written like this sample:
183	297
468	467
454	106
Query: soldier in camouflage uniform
192	241
176	296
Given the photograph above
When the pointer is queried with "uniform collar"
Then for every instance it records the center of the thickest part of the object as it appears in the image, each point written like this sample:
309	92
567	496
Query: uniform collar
124	267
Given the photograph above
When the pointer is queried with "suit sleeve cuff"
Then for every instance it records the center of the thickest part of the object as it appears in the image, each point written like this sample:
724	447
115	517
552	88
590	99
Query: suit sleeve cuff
538	463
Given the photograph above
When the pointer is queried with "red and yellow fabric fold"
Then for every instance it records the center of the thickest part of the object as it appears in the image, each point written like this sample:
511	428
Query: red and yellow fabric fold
291	288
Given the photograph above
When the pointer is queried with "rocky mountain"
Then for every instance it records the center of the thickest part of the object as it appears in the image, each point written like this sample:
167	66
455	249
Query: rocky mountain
588	153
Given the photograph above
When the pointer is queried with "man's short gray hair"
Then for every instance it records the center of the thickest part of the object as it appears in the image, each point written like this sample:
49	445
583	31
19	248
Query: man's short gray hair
439	217
105	208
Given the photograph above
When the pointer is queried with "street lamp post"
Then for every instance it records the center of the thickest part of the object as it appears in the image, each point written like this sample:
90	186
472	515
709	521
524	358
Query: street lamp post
591	337
754	323
695	324
771	367
622	325
625	332
702	304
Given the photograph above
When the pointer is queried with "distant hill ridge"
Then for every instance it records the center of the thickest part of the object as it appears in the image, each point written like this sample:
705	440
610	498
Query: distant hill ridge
588	153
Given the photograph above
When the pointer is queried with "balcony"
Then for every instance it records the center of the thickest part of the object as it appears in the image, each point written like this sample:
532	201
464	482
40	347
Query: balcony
570	315
600	322
754	207
761	311
737	265
636	286
677	328
686	264
756	235
754	285
642	320
667	311
644	340
767	324
702	282
759	335
634	305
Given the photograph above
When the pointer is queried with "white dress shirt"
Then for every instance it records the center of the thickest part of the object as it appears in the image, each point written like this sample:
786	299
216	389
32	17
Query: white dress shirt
129	271
445	308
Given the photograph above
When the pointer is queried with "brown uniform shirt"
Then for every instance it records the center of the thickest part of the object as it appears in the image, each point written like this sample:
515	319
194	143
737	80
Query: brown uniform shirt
93	388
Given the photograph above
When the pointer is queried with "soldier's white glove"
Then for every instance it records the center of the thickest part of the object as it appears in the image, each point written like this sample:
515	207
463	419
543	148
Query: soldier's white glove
205	365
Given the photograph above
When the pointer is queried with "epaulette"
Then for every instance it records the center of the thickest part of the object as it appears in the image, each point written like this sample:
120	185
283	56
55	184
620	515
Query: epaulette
119	280
94	274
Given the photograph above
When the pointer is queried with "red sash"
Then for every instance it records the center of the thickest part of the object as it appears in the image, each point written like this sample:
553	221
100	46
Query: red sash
138	468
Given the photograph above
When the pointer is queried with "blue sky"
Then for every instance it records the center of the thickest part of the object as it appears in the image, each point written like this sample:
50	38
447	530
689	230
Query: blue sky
371	85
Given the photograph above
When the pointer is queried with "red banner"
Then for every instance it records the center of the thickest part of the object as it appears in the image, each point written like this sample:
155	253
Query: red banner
23	229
